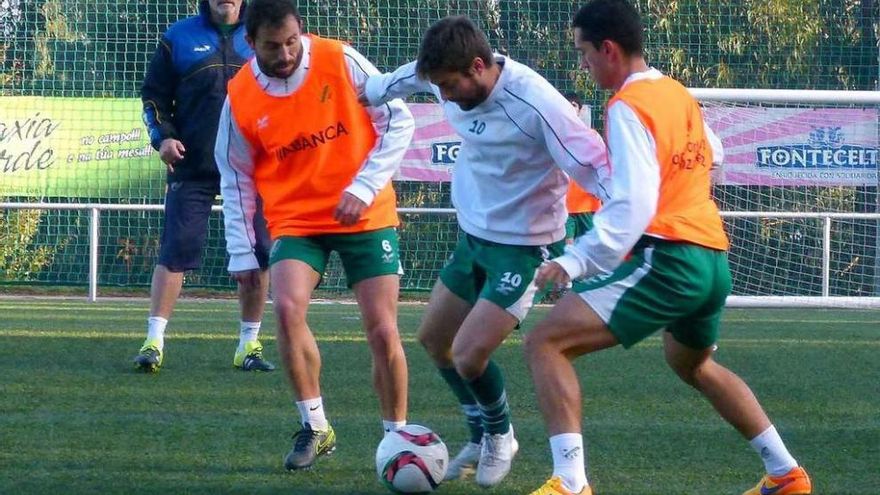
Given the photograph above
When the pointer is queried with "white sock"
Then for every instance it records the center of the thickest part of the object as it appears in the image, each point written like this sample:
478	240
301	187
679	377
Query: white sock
777	460
389	425
568	460
250	331
311	411
156	330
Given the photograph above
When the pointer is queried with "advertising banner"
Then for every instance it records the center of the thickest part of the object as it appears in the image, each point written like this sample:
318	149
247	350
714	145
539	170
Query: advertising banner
434	147
99	148
797	146
76	147
763	146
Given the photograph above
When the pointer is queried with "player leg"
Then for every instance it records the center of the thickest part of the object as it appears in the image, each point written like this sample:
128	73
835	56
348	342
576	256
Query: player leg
572	329
296	266
377	299
185	227
252	301
622	307
506	295
441	320
688	346
485	328
735	402
451	300
372	267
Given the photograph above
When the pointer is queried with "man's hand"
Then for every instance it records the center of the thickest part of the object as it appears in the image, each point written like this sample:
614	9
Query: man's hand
170	152
349	210
247	278
552	272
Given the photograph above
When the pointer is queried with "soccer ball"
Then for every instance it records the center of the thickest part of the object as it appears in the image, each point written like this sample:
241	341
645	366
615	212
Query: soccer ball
412	459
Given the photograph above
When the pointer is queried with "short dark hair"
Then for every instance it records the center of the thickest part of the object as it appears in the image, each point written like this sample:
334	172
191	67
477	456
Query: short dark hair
573	97
614	20
261	13
452	44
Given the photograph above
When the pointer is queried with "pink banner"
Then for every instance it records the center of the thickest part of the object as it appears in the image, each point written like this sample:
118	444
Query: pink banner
763	146
797	146
434	147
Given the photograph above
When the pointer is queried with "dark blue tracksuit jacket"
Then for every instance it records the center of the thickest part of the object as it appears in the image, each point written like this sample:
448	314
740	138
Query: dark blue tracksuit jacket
185	86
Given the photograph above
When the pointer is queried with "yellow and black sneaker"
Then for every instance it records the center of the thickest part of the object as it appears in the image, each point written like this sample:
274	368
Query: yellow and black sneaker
251	358
308	445
149	358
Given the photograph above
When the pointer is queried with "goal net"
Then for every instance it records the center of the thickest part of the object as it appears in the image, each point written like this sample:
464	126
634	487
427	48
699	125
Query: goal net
799	190
799	193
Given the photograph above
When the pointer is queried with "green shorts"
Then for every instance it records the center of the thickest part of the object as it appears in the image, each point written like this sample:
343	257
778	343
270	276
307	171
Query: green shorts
673	285
578	224
364	254
501	273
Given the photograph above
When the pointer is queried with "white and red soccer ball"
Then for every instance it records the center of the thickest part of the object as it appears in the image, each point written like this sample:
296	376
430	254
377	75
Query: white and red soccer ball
412	459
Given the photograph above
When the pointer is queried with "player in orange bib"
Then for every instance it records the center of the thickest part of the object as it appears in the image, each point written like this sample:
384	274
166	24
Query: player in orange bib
293	131
581	207
580	204
662	219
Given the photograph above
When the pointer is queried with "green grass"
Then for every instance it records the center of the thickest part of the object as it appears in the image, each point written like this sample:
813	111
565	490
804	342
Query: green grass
75	418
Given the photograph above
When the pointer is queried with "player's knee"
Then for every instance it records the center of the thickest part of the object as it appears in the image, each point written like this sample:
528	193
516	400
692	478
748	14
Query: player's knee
253	289
290	312
470	362
537	345
383	340
691	366
688	376
469	369
688	372
433	345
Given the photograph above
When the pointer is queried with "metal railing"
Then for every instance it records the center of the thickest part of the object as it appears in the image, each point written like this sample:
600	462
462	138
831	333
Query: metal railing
826	300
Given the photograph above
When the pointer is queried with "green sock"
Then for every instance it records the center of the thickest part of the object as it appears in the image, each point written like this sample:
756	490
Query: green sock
468	402
488	389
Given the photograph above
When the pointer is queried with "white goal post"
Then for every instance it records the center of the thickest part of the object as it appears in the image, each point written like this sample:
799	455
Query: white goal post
787	96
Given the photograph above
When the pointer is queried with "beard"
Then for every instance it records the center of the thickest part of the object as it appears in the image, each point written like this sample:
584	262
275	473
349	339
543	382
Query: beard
473	101
278	70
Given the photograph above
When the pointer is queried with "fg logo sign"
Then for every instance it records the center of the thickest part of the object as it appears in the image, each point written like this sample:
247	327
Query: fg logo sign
445	152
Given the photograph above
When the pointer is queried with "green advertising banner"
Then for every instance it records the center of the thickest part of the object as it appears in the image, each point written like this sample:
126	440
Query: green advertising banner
76	147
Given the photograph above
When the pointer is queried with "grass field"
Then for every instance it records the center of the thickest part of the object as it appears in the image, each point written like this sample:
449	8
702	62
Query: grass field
75	418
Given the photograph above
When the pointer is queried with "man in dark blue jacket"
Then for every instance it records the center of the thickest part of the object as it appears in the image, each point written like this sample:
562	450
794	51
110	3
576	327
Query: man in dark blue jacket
183	93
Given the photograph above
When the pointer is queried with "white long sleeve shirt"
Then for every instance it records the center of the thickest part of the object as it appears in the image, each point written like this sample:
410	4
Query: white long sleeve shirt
635	191
235	156
509	180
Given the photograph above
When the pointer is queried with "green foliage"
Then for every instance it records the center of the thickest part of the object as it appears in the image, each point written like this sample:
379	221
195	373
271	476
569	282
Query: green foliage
765	44
102	47
20	258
